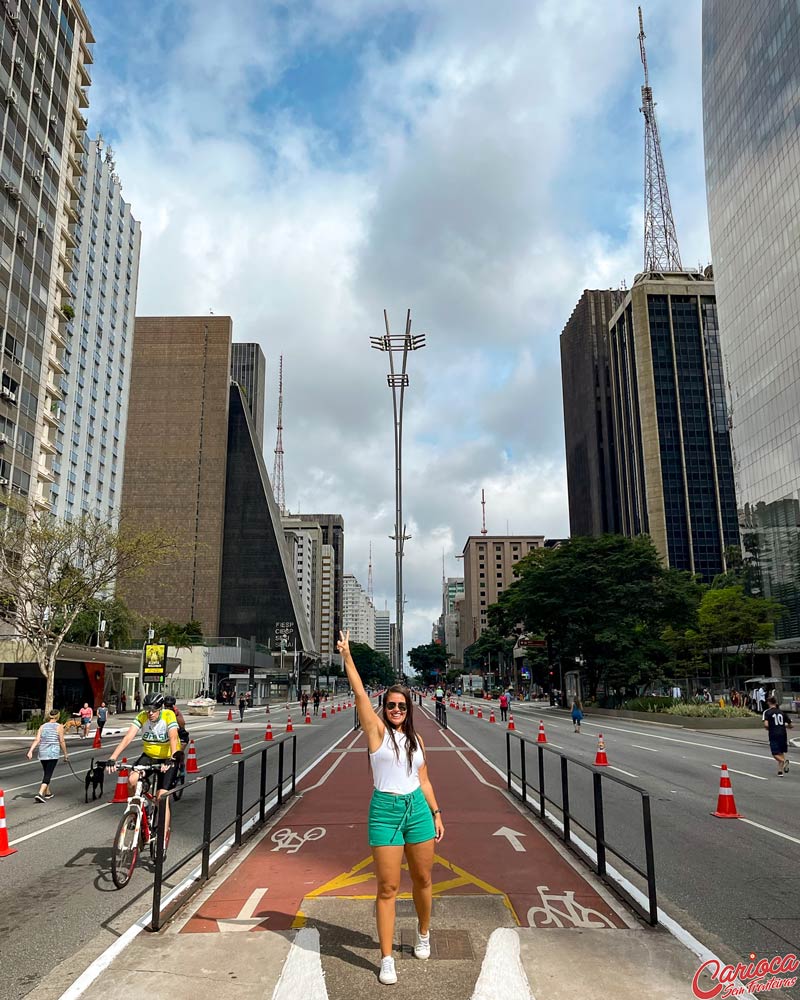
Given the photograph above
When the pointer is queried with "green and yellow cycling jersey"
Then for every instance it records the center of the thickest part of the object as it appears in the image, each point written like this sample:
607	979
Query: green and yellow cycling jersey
155	733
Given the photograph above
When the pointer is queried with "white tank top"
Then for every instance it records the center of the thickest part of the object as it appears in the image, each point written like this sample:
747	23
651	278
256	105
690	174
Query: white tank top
390	774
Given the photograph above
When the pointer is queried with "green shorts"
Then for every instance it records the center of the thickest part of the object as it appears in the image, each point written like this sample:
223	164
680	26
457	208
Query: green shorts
395	820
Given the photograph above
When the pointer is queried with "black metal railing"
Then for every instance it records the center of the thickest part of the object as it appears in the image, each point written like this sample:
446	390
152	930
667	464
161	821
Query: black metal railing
441	714
602	846
268	801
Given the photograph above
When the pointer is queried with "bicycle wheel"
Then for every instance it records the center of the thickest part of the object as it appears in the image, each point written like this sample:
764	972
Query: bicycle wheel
179	783
125	851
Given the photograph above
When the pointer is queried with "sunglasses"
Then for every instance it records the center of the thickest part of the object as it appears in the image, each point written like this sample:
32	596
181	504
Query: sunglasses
399	705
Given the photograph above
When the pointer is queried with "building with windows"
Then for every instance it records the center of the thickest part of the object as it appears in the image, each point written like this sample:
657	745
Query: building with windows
751	125
358	613
489	562
674	466
304	542
383	633
332	526
328	638
44	76
249	369
99	347
588	415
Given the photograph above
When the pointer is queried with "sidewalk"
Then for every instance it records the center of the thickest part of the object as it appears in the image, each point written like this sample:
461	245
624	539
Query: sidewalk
514	915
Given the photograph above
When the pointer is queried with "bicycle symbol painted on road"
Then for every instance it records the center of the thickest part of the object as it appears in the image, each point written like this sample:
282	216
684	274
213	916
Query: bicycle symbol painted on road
563	911
291	842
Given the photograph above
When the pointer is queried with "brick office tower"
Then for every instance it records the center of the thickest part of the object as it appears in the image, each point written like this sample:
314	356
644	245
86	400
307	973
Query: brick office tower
193	466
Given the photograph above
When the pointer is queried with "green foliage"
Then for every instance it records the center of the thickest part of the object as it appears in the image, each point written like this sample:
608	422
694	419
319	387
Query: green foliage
705	711
649	703
34	721
68	310
428	661
372	667
121	623
729	617
178	636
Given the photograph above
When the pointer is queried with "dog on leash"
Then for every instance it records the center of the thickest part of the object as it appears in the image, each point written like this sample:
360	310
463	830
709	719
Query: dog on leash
95	777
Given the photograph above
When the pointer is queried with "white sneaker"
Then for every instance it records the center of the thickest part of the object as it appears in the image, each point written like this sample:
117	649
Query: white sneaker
388	973
422	949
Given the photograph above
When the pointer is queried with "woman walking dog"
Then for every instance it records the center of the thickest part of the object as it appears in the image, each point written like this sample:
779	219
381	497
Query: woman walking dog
404	817
50	741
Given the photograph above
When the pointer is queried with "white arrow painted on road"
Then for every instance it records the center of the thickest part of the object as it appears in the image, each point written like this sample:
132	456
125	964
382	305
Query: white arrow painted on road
245	921
512	836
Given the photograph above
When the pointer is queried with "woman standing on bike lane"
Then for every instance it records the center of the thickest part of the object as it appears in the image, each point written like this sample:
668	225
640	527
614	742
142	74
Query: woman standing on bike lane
403	814
160	742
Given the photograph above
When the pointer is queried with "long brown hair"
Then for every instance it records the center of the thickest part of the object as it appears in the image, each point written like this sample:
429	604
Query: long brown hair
412	740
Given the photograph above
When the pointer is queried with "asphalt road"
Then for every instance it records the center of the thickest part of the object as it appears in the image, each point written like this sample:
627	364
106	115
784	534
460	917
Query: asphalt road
732	883
57	901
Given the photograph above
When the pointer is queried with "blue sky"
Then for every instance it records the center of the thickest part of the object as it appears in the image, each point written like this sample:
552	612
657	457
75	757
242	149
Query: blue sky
303	165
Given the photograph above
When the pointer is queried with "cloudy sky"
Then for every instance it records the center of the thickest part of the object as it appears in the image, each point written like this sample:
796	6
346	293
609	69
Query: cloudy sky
304	165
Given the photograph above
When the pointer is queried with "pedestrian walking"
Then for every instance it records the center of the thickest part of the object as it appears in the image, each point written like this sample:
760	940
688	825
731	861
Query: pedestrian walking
315	699
123	702
50	741
404	817
86	714
304	704
776	722
759	697
242	707
102	715
577	715
504	707
137	702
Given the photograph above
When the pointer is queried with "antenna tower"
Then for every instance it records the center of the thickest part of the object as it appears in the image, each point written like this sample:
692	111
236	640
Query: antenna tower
660	241
483	505
277	468
369	576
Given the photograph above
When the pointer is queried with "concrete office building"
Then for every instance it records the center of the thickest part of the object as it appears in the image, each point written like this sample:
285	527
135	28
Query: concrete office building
675	472
358	613
249	369
304	543
333	534
489	562
328	638
194	467
588	415
751	123
99	347
44	76
382	633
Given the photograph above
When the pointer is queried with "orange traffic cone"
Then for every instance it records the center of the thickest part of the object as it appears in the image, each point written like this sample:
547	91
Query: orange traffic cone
324	713
230	715
5	850
97	742
463	706
308	718
268	733
471	710
339	707
601	760
289	727
511	725
542	737
491	715
237	746
192	767
726	804
480	712
121	789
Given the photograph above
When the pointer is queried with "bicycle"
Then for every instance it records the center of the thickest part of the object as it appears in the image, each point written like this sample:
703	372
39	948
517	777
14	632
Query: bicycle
137	828
180	775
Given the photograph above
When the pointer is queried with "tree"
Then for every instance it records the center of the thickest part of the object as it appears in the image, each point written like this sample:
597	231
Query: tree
372	666
178	636
121	623
429	661
51	571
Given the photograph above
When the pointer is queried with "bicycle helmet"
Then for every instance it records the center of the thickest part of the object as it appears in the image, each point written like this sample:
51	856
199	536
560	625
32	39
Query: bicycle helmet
170	701
155	700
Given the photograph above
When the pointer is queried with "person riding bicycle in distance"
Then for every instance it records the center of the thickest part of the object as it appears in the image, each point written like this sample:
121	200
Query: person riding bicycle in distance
171	703
160	742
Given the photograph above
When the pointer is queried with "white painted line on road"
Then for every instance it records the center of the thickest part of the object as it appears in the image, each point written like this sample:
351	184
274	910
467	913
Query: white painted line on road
747	774
333	766
613	768
46	829
767	829
302	972
502	976
645	748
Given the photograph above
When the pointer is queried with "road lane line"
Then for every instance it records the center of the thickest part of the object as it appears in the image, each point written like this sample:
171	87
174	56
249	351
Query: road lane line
333	766
775	833
614	768
760	777
645	748
70	819
502	976
302	973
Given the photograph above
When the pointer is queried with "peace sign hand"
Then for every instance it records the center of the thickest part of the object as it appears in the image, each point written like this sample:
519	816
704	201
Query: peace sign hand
343	645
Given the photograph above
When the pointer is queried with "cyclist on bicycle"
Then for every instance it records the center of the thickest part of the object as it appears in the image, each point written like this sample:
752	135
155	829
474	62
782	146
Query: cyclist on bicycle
170	702
160	742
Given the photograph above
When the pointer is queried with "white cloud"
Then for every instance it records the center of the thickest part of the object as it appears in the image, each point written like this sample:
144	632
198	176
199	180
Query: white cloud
481	164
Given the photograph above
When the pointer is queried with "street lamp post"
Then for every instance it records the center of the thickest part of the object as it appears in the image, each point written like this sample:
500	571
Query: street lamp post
398	380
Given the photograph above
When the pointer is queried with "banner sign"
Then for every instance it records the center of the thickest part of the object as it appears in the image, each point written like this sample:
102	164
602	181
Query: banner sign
155	661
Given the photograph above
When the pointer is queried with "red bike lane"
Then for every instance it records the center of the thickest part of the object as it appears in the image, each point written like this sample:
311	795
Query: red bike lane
319	848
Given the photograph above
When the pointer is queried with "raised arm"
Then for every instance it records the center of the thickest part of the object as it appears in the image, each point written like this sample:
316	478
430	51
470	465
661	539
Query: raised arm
370	722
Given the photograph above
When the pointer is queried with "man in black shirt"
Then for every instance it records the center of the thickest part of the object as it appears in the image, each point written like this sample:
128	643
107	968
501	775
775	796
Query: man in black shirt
775	722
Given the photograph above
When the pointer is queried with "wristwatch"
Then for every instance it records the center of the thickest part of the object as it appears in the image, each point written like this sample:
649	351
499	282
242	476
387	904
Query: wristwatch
435	811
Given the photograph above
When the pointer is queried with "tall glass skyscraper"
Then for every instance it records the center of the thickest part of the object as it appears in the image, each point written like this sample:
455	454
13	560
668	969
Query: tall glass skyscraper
751	120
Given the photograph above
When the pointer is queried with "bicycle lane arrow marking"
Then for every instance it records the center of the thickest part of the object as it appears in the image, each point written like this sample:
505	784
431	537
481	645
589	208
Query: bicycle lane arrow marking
245	921
512	836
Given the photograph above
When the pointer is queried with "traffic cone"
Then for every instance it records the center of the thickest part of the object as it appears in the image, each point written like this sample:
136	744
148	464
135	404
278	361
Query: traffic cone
471	710
237	746
97	742
463	706
339	707
511	726
268	733
726	804
192	766
308	718
121	789
324	713
230	715
289	727
542	737
5	850
480	712
491	715
601	760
